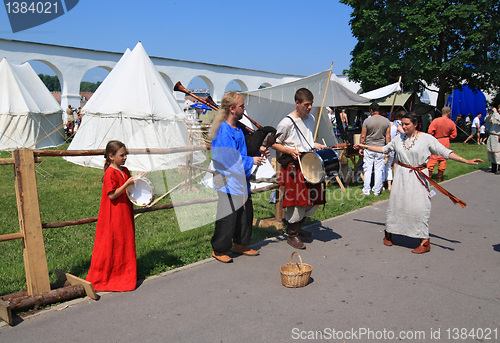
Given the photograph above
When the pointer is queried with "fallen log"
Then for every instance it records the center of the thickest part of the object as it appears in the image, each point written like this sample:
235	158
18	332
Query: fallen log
29	302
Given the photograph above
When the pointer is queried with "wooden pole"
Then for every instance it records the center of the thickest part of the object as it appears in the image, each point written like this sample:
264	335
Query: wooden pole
177	204
11	236
323	103
6	161
394	100
265	188
153	151
70	222
279	212
137	210
30	224
189	159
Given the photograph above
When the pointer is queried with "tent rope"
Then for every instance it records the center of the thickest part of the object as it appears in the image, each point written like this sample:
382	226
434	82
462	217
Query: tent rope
47	135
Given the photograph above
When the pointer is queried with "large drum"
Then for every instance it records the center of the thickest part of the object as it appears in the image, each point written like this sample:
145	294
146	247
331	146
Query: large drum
142	192
320	164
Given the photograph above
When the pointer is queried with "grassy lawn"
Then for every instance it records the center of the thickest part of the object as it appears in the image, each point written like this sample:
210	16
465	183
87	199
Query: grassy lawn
67	191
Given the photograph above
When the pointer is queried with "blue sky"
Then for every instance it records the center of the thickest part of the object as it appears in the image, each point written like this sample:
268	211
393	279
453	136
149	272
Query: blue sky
291	37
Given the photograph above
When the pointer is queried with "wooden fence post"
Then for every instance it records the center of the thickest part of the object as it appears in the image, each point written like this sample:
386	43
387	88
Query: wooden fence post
30	224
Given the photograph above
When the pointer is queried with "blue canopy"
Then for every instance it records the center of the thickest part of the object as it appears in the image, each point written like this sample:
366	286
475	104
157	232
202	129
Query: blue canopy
201	106
466	101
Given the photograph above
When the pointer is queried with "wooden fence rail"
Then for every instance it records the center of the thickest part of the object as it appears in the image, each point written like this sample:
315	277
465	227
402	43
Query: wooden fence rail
31	227
28	207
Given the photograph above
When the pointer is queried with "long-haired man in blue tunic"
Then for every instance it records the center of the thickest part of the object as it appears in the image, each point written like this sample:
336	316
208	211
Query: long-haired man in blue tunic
233	225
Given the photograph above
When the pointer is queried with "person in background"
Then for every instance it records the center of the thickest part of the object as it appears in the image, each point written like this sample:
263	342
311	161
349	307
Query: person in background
459	121
331	116
333	120
70	121
444	129
476	124
344	119
376	131
493	143
468	121
396	124
396	129
78	119
482	134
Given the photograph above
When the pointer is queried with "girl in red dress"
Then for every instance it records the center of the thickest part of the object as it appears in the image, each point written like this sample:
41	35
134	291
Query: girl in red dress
113	266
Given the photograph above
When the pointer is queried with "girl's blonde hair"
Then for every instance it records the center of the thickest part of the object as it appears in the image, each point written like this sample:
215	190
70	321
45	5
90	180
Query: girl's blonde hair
112	148
229	99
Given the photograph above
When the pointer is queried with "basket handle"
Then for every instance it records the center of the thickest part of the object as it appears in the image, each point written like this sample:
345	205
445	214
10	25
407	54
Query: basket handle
300	258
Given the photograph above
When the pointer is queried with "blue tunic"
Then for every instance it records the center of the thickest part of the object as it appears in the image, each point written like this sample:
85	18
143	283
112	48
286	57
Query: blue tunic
229	155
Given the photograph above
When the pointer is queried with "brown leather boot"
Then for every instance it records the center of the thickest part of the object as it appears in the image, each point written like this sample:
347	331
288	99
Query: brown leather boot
302	232
293	238
439	176
387	238
424	247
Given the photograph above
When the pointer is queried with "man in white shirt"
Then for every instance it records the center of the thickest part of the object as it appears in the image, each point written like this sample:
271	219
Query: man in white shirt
476	123
376	131
300	198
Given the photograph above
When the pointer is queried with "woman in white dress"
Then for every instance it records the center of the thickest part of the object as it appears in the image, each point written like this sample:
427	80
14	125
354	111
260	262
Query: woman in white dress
410	201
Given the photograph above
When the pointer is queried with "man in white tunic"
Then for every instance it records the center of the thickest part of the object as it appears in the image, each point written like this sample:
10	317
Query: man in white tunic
300	198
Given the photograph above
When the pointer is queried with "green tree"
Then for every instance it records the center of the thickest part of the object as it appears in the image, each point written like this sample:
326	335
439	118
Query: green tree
444	43
51	82
89	86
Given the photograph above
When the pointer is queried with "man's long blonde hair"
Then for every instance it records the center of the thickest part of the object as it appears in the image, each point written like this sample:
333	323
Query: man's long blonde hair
229	99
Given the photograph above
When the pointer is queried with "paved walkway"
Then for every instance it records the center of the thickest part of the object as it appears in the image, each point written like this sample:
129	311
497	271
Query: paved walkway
363	290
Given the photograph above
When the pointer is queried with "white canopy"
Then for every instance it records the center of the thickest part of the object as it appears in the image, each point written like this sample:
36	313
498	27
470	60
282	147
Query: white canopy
30	116
268	106
135	106
383	91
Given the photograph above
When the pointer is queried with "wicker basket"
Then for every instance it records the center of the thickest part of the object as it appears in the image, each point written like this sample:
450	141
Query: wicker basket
295	274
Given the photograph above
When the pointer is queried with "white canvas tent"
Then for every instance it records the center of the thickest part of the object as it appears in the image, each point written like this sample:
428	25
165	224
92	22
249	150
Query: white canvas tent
30	117
268	106
133	105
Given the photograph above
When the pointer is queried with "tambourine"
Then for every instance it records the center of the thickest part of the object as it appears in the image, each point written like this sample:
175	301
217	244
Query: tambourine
142	192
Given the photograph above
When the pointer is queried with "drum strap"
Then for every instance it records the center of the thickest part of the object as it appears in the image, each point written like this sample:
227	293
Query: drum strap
303	179
295	124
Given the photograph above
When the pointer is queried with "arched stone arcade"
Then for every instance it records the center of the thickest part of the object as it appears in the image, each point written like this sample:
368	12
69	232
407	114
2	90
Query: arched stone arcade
71	64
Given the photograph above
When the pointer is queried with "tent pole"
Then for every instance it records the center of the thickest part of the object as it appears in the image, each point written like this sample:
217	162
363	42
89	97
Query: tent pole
323	103
395	95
